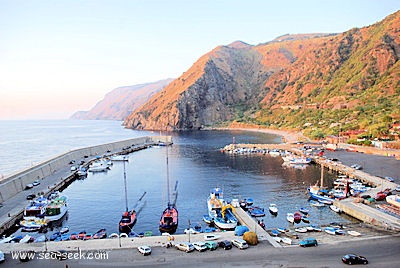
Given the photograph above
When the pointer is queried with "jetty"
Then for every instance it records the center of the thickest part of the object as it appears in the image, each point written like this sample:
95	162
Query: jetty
55	174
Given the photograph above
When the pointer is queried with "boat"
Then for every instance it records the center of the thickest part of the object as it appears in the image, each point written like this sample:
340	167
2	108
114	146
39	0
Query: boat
274	232
301	230
64	230
36	208
317	194
113	235
123	235
300	160
221	213
82	235
128	218
317	204
33	225
273	209
277	239
81	172
249	202
25	239
40	238
243	204
354	233
315	228
209	237
65	237
56	209
190	231
98	168
100	234
335	208
256	211
119	158
304	210
290	217
6	239
330	230
393	200
282	230
340	232
297	217
74	236
54	236
305	219
169	217
286	240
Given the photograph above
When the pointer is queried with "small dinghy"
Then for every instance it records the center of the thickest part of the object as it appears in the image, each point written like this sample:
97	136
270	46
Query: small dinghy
354	233
64	230
273	209
301	230
209	237
335	208
274	232
277	239
287	240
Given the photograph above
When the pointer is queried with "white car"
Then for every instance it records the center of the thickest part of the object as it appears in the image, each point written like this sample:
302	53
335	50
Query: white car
2	258
200	246
240	243
145	250
185	246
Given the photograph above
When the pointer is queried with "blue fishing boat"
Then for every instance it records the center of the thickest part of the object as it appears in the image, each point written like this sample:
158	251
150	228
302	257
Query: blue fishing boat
256	211
219	211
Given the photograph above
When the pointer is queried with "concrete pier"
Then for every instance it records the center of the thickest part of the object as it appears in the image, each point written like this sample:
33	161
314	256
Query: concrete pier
359	211
55	174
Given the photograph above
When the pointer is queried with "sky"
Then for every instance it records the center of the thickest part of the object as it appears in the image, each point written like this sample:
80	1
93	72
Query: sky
59	57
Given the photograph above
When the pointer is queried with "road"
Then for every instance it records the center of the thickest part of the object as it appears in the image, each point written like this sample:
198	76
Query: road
380	251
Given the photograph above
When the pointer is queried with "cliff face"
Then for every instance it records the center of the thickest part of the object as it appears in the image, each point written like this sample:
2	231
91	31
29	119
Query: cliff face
120	102
286	82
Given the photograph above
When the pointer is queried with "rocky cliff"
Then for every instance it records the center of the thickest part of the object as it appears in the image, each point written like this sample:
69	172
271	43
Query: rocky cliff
122	101
316	79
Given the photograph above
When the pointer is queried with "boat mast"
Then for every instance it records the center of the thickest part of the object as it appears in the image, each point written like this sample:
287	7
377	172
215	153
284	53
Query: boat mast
166	148
322	176
126	192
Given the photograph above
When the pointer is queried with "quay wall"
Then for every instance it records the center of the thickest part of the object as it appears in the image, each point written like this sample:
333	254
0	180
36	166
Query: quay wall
16	183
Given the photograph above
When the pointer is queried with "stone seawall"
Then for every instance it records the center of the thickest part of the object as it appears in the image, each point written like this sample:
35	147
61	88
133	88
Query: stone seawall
15	183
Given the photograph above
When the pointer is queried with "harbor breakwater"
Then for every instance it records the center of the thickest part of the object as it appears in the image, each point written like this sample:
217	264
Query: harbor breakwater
16	183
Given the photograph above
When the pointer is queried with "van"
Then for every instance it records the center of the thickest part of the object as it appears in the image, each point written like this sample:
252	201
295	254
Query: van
240	243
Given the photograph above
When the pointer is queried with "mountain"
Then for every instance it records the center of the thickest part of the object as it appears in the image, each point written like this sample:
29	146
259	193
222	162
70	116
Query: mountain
121	101
314	82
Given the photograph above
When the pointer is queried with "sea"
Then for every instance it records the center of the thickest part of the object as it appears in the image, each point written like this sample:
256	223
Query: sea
195	162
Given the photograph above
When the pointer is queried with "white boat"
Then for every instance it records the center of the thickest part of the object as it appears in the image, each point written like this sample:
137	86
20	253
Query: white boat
335	208
6	239
209	237
316	203
330	230
25	239
393	200
301	230
119	158
300	160
277	239
290	217
190	231
113	235
220	212
287	240
100	168
354	233
64	230
273	209
56	209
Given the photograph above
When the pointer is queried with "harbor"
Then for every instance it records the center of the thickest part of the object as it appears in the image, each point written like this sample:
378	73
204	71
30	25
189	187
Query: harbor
386	225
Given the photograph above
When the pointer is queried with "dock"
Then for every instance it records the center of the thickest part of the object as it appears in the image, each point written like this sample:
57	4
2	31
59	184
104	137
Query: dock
362	212
55	174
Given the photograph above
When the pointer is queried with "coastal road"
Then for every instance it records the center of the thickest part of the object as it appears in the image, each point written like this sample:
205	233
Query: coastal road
380	251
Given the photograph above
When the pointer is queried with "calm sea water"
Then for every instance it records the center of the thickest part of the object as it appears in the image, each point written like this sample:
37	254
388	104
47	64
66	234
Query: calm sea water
195	161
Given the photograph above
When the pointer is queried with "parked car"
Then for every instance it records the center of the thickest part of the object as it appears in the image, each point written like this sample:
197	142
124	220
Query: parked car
144	250
225	244
200	246
35	182
240	243
308	242
185	246
211	245
354	259
30	196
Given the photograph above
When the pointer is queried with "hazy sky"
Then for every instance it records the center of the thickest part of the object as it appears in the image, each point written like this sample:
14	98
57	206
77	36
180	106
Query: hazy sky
61	56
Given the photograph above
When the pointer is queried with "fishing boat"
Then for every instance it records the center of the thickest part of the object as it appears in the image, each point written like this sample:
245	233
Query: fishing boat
273	209
318	192
128	218
304	210
169	217
36	208
56	209
221	213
